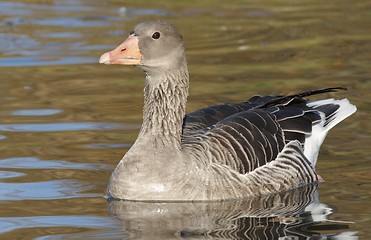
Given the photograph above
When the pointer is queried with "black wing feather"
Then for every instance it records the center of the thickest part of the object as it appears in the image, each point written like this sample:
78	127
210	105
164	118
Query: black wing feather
253	133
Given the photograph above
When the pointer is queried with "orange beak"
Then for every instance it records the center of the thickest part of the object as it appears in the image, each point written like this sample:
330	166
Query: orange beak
127	53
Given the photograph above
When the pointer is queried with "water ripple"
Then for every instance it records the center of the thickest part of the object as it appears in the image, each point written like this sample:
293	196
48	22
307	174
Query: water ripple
74	22
7	174
132	11
46	190
35	112
18	8
44	61
48	46
8	224
108	145
73	126
62	35
35	163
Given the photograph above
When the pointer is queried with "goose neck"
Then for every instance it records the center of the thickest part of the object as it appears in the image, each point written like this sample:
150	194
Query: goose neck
165	97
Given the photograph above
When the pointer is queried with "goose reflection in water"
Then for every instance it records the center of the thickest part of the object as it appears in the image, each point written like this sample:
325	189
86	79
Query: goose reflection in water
297	214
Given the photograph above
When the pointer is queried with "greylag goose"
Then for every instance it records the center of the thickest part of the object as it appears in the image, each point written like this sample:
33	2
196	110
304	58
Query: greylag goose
261	146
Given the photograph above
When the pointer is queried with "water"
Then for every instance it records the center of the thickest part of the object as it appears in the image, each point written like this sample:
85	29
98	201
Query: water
65	121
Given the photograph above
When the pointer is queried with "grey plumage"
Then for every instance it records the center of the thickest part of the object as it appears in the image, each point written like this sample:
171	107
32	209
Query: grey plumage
260	146
251	133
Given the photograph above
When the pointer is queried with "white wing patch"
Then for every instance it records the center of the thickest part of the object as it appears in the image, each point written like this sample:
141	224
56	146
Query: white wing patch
319	131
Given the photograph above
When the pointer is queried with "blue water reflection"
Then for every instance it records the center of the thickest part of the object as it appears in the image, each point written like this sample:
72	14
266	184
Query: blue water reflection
36	112
73	126
46	45
8	224
35	163
46	190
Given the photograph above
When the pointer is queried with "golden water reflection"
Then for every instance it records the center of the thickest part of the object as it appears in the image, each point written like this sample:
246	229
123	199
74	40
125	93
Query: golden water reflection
293	215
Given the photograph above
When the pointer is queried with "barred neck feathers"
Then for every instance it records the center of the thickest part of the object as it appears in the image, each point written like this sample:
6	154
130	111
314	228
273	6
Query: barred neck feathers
165	97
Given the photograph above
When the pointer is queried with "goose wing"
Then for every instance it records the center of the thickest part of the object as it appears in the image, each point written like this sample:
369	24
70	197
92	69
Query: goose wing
248	135
205	118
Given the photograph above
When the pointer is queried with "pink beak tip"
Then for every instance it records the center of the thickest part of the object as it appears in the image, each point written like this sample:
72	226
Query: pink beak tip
105	58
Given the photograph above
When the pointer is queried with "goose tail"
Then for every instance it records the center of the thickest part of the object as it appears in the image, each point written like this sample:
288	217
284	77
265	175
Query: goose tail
332	112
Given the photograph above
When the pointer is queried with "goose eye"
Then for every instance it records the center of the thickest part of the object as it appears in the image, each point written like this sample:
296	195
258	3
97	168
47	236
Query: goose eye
156	35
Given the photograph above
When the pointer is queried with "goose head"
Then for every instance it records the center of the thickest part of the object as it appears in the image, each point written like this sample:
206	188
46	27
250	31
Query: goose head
153	46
